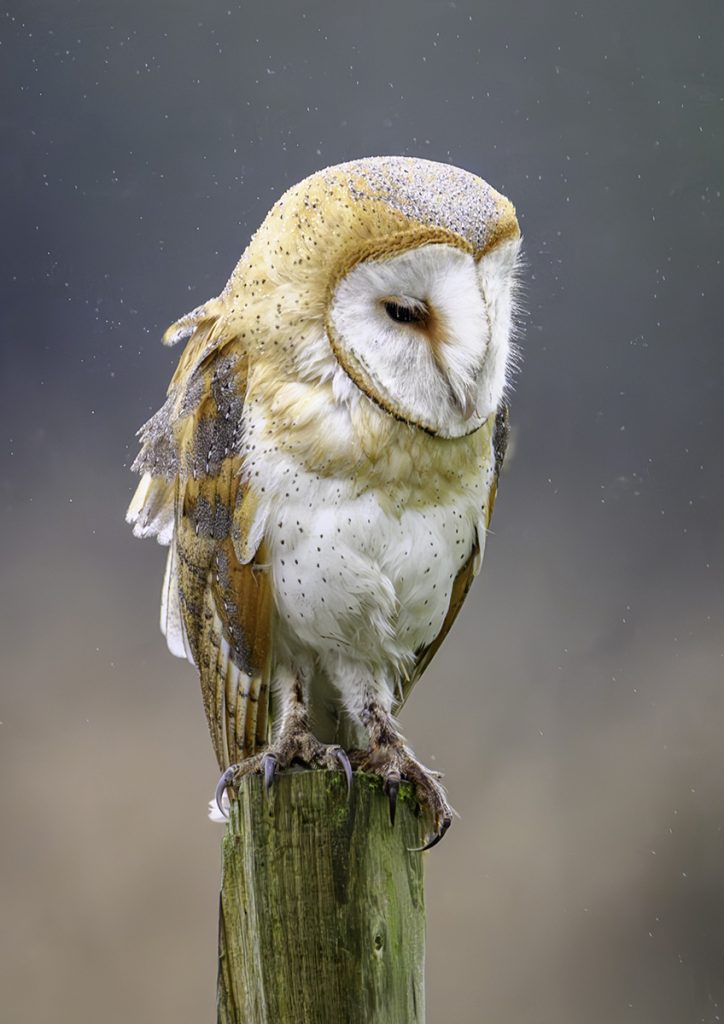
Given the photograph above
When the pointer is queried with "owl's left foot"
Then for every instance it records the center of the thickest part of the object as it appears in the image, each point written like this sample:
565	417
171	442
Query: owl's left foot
388	757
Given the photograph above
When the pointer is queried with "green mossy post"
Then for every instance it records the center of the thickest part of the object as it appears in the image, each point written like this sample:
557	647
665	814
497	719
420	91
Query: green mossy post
322	913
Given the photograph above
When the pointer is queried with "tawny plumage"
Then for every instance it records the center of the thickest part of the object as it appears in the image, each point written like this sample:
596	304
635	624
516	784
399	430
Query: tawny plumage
325	465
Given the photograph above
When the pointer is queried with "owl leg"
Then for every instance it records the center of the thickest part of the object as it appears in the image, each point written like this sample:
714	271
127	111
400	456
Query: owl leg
294	744
389	757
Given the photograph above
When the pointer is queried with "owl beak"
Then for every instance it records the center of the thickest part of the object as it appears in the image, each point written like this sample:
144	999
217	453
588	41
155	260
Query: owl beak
464	395
465	398
466	403
463	383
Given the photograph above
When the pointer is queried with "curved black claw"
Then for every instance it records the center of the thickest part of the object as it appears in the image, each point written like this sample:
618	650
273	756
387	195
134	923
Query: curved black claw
392	788
270	769
221	787
434	840
341	756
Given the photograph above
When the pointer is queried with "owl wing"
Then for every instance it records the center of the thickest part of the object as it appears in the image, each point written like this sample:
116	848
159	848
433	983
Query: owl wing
216	602
464	579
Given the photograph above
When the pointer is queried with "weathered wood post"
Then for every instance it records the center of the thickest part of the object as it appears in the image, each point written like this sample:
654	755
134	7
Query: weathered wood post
322	916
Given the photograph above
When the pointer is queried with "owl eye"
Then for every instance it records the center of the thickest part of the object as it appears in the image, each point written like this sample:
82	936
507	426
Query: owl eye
404	314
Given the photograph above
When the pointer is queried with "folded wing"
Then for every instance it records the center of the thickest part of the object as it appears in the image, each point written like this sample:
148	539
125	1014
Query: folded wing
216	605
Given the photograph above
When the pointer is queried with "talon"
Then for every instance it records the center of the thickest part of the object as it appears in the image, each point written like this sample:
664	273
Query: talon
435	839
222	785
270	767
341	756
392	788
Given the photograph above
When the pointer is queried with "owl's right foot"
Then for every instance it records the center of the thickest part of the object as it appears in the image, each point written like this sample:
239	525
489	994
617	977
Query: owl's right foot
294	746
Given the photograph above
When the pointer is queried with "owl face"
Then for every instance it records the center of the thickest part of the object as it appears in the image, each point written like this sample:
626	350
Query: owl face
425	333
390	279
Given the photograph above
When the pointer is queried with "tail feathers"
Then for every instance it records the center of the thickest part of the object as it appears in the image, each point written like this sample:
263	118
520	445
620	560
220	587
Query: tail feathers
219	817
236	703
172	625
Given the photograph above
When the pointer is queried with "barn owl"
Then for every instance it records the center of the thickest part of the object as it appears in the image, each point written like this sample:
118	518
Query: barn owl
324	468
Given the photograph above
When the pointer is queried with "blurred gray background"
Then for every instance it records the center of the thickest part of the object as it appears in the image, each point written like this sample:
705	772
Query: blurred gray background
577	708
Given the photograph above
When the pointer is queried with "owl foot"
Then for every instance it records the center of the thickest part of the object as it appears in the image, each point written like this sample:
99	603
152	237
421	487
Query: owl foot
395	763
294	747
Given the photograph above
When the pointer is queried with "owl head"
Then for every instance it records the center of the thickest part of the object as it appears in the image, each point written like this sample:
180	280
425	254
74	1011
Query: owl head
388	280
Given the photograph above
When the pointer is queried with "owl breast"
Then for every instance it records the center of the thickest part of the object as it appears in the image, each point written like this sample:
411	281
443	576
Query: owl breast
363	575
356	579
363	543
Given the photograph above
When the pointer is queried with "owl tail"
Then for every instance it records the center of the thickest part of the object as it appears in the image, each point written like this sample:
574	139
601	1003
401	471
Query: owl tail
235	695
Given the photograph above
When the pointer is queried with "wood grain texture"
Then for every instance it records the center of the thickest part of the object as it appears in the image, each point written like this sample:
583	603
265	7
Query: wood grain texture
322	915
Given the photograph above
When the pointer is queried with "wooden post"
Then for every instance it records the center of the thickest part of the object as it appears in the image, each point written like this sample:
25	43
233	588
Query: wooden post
322	915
